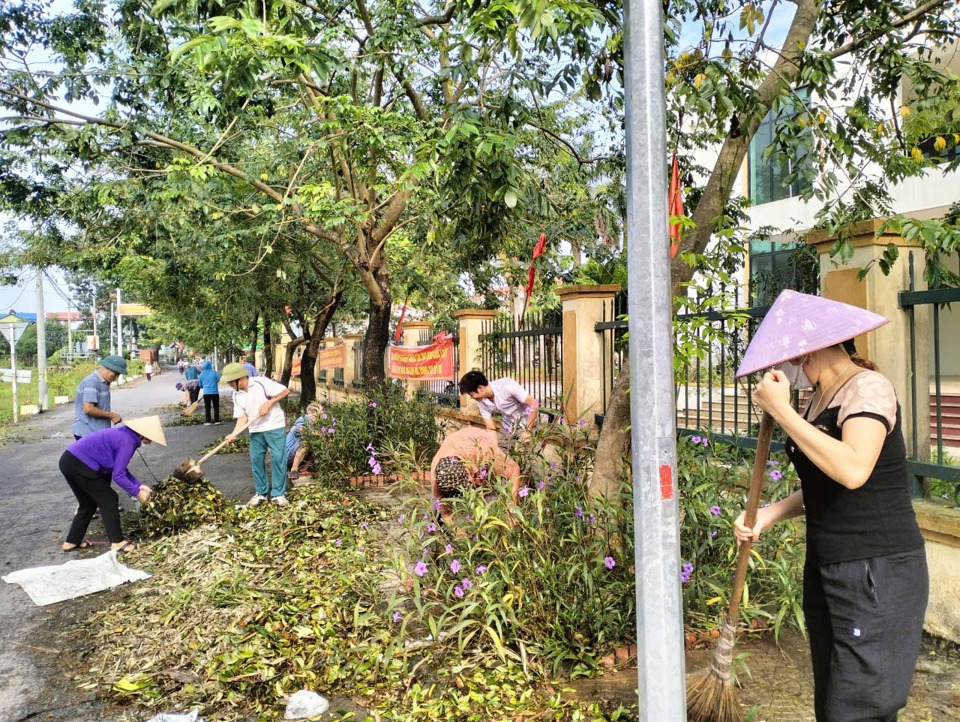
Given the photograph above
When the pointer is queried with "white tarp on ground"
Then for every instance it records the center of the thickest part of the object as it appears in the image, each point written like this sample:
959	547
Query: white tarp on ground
76	578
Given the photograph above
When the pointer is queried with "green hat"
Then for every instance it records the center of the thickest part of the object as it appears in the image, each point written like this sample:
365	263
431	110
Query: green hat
114	363
232	372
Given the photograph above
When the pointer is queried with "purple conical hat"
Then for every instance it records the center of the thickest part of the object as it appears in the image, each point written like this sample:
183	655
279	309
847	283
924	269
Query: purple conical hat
798	324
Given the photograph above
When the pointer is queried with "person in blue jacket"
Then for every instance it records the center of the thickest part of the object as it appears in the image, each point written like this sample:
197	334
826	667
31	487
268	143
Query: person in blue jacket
209	378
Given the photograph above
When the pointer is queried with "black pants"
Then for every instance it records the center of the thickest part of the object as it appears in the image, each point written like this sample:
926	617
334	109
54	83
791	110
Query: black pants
194	393
92	490
865	619
211	400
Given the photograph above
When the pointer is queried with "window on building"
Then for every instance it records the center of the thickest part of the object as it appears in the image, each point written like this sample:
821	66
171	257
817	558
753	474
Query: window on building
775	266
767	175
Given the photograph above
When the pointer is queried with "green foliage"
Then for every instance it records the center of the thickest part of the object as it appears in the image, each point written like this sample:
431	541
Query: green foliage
548	584
176	506
347	437
712	481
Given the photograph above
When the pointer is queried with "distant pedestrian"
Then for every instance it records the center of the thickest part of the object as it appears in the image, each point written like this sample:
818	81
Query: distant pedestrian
209	378
250	367
92	405
89	464
181	365
259	401
190	372
148	370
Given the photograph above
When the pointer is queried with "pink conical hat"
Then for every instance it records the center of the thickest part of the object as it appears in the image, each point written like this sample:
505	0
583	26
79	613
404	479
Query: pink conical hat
798	324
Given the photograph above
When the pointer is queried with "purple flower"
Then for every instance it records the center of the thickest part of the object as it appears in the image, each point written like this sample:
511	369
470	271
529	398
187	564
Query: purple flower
713	533
524	491
448	549
339	542
579	513
363	525
592	519
458	592
776	475
773	463
695	439
420	568
455	566
437	505
377	469
483	473
684	577
553	464
706	442
401	518
373	404
715	510
397	616
541	485
330	430
323	429
609	563
431	528
371	449
688	568
581	422
323	416
466	583
482	569
578	478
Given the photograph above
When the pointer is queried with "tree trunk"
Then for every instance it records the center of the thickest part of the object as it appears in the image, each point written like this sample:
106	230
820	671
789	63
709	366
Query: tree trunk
609	463
288	360
375	342
308	362
267	347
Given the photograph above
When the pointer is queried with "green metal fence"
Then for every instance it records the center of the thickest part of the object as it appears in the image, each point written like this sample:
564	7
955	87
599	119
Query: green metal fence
935	468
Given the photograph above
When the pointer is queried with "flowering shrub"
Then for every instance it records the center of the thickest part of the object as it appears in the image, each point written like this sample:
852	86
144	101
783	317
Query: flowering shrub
349	437
549	583
712	481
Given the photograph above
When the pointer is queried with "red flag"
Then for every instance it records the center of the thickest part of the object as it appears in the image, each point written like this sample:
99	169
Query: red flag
398	334
675	204
537	252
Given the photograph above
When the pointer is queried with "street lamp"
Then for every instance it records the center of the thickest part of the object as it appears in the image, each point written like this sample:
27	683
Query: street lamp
12	328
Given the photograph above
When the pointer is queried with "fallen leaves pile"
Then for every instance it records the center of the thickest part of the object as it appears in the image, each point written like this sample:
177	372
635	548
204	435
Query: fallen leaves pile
177	506
236	617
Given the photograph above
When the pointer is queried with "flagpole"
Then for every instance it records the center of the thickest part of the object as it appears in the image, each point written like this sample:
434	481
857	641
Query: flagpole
660	653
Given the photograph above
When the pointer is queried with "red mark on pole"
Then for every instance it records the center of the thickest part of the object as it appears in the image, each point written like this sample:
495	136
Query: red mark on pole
666	482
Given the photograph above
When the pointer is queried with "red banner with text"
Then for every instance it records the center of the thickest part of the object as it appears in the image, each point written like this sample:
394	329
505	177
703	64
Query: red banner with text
334	357
423	363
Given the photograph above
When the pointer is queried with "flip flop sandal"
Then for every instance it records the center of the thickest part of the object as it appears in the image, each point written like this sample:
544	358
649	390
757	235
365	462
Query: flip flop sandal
128	547
85	544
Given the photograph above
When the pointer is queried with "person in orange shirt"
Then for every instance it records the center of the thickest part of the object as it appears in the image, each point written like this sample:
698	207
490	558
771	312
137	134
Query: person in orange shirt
469	458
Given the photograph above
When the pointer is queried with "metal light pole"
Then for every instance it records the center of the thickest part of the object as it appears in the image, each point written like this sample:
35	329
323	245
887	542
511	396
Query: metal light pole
660	660
43	402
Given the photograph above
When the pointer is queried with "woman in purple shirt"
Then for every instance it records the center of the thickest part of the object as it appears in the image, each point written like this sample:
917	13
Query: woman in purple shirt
90	463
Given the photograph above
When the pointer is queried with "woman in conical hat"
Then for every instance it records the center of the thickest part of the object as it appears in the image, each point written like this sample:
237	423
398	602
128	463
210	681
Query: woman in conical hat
91	463
865	579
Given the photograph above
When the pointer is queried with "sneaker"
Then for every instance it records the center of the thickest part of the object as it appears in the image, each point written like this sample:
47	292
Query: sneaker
207	423
280	500
256	499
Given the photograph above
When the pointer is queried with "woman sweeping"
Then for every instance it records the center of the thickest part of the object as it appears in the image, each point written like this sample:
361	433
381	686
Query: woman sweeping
865	582
90	463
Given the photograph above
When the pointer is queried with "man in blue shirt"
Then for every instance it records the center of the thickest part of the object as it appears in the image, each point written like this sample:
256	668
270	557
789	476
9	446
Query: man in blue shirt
92	405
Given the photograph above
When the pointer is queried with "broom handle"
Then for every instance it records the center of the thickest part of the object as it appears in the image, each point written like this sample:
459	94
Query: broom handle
750	517
223	443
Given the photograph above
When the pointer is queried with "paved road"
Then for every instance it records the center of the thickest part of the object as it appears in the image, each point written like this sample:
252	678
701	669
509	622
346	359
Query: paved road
36	507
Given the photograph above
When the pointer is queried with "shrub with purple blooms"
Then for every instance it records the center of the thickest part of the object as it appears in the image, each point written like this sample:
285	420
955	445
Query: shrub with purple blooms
555	588
712	480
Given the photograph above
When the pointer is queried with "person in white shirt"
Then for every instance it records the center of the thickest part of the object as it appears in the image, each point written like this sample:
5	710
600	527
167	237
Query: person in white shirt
519	408
257	400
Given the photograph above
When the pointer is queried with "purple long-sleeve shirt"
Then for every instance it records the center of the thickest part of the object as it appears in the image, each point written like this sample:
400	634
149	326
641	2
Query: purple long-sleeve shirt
110	450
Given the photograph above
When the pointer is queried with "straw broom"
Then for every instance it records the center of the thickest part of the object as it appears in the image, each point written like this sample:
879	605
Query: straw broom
711	696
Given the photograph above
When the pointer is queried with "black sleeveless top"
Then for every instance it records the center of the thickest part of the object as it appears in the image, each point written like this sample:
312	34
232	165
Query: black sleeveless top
849	524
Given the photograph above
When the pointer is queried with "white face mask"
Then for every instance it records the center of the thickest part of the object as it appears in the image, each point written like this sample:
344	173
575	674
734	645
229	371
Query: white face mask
795	374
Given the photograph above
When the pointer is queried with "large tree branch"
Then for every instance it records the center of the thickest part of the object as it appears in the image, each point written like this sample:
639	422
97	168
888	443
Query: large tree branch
915	14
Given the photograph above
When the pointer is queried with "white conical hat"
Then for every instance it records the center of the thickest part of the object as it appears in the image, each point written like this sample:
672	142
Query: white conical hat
798	324
148	427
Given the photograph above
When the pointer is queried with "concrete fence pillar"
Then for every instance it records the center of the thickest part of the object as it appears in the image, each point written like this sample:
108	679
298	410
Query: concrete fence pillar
471	327
585	355
889	346
351	341
411	337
